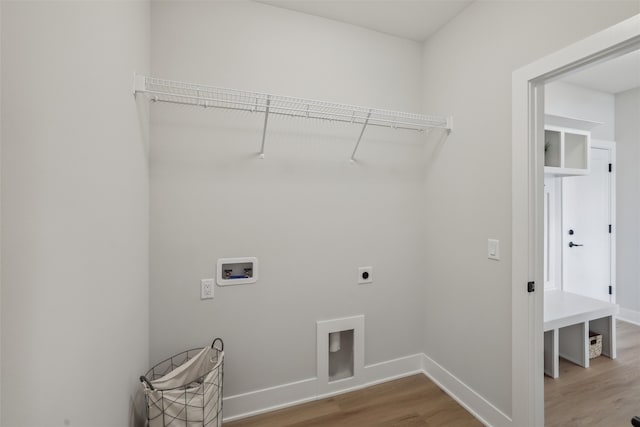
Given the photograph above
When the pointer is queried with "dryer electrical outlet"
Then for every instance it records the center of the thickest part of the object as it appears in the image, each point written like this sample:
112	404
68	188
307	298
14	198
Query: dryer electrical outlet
365	275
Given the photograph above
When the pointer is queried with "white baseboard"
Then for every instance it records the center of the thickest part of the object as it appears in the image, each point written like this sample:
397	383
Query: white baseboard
285	395
478	406
306	390
268	399
629	316
392	369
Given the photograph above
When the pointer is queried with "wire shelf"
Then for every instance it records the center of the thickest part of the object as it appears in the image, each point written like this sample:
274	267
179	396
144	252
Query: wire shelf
159	90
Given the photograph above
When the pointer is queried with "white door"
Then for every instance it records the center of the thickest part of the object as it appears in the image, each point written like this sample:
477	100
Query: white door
586	234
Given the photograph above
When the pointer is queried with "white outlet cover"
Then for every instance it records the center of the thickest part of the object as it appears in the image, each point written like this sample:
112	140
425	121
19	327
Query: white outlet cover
206	288
365	275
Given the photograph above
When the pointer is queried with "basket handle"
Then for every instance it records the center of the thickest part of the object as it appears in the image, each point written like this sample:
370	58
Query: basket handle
144	379
221	344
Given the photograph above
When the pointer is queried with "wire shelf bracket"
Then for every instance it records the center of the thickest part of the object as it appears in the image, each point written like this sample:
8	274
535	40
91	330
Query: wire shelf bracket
364	126
159	90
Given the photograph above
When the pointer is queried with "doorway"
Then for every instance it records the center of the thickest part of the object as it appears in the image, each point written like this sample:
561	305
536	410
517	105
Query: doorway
588	256
528	202
579	228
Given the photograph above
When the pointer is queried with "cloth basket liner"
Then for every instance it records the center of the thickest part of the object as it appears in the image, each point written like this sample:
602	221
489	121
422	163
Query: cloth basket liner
188	396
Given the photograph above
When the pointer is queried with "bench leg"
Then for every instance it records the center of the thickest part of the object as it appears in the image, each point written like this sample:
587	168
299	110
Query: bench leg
574	344
606	327
551	356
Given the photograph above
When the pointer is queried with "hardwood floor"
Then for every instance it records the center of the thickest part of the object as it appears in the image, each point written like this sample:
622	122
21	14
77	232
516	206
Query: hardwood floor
414	401
606	394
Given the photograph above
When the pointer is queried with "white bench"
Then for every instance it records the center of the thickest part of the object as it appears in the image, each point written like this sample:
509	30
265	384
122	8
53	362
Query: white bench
568	318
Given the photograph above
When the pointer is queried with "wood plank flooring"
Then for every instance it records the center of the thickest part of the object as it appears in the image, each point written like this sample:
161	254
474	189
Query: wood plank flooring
607	394
413	401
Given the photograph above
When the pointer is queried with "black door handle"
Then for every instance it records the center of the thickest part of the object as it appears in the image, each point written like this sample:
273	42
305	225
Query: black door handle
571	244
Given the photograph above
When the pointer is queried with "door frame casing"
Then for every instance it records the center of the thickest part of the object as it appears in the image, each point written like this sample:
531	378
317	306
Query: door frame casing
527	205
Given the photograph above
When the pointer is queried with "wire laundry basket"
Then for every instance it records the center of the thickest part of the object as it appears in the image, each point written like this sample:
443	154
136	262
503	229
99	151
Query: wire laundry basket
185	390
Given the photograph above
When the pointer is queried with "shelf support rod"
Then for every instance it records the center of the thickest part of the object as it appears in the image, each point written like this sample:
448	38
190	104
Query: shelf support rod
264	128
364	126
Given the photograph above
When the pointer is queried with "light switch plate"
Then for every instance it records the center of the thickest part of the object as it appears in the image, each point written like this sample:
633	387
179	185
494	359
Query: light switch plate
493	249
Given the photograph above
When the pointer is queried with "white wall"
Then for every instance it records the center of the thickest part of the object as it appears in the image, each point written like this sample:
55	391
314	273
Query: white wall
309	216
0	214
568	100
467	72
74	313
74	212
627	108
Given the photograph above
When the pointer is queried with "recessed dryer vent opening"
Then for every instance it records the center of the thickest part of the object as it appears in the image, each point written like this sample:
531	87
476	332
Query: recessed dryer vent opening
340	355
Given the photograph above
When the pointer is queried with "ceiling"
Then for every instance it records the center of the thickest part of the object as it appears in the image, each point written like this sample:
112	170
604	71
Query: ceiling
419	19
616	75
409	19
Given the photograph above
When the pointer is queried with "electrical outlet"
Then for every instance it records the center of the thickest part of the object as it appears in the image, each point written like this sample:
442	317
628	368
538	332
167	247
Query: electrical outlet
206	288
365	275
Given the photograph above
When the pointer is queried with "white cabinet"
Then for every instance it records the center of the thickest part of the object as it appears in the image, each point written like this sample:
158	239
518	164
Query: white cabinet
566	151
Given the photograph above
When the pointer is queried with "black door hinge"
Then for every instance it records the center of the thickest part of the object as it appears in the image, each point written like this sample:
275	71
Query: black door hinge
531	286
610	290
610	167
